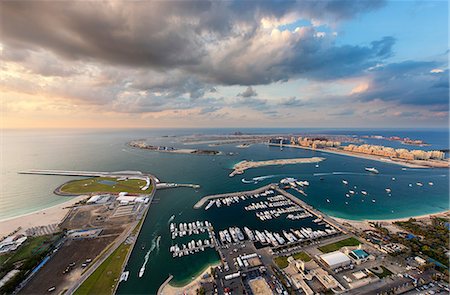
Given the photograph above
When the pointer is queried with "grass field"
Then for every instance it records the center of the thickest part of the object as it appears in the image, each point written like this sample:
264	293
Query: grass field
32	246
338	245
110	185
104	279
282	262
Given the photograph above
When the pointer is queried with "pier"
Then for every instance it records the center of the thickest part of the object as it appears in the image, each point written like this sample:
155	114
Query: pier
203	200
82	173
311	210
164	185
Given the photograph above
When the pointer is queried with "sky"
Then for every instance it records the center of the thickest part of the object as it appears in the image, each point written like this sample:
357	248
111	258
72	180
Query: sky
181	64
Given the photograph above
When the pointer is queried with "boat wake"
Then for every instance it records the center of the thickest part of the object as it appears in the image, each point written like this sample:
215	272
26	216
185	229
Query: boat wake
154	245
171	219
259	178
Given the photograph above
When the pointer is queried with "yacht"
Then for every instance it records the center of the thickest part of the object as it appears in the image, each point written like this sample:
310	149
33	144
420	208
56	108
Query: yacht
249	233
372	170
388	190
373	200
393	178
347	195
352	192
430	183
239	233
345	182
141	271
419	184
364	193
209	205
328	200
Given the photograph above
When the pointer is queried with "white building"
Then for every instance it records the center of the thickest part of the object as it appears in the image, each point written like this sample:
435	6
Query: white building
335	259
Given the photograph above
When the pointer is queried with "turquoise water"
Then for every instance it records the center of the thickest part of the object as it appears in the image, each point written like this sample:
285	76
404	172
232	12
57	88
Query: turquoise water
107	151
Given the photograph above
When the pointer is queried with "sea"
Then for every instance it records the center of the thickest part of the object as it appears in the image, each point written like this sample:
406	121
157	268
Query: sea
107	150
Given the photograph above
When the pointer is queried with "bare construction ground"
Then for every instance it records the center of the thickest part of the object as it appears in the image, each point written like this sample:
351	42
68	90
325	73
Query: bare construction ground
73	251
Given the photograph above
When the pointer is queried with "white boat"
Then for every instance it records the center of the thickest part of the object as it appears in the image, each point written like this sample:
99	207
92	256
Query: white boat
393	178
388	190
373	200
141	271
419	184
372	170
352	192
317	165
328	200
364	193
346	203
410	185
209	205
345	182
347	195
430	183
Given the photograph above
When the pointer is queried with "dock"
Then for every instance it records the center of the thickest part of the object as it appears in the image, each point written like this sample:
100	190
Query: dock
203	200
311	210
164	185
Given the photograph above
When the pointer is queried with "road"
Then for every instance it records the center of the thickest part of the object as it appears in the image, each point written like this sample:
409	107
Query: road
116	244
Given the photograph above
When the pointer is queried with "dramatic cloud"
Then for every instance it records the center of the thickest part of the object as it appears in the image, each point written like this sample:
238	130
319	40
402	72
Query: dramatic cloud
409	82
206	58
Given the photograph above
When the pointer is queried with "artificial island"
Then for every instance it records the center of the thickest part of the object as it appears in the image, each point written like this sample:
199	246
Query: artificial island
83	247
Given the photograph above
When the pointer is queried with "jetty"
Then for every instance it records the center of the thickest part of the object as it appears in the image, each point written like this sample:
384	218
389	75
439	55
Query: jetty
311	210
82	173
203	200
164	185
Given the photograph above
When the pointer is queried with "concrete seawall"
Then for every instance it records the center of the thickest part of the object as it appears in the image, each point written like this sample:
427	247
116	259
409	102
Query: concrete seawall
203	200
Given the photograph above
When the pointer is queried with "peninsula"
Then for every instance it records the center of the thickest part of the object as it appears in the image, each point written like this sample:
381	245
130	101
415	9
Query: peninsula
141	144
240	167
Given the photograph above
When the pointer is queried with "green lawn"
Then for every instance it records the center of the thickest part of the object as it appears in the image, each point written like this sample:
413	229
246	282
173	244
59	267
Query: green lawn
338	245
301	256
32	246
106	276
94	185
282	262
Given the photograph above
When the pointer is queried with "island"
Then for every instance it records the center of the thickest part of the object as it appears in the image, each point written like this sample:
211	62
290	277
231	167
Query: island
240	167
141	144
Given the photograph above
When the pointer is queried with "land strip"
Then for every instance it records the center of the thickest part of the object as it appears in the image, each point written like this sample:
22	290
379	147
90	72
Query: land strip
240	167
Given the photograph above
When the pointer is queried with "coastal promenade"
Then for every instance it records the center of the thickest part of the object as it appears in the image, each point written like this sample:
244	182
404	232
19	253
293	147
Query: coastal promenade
335	151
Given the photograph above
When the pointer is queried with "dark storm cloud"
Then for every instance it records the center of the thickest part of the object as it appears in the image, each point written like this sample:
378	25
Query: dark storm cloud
172	34
410	83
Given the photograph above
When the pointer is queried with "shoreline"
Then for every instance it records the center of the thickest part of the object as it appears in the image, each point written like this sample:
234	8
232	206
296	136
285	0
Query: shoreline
42	217
365	156
366	222
188	288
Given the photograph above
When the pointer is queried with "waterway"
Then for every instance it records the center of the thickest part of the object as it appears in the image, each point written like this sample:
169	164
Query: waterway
107	151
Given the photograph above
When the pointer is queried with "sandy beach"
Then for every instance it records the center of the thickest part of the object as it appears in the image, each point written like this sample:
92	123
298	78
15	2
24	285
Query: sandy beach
42	217
189	289
409	164
240	167
365	224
